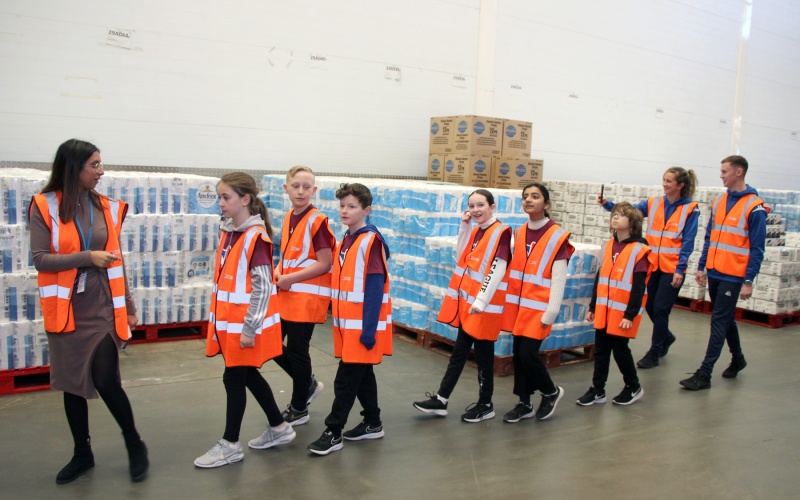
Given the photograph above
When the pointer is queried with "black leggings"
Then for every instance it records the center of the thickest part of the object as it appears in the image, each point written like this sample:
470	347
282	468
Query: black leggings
236	379
105	366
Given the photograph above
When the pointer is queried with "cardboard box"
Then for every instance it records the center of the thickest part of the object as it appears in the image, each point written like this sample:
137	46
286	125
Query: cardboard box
517	138
468	170
478	135
436	167
442	138
516	173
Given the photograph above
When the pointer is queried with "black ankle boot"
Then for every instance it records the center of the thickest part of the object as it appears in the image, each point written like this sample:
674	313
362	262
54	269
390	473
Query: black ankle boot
137	457
82	460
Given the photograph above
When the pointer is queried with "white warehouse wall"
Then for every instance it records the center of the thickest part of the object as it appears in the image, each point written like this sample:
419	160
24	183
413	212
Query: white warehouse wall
616	90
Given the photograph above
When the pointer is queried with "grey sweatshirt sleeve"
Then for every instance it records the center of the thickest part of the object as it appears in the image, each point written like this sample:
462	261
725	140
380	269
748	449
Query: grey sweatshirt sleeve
43	258
259	300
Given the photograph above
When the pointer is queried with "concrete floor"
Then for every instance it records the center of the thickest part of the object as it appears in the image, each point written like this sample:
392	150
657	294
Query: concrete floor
740	439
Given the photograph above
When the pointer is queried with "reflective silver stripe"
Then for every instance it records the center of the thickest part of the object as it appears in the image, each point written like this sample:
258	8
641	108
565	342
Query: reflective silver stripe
115	272
517	275
233	327
356	297
533	304
242	270
537	280
306	239
361	263
512	299
452	293
548	254
233	297
458	271
214	287
486	257
730	248
356	324
119	302
464	295
490	308
476	275
656	206
269	321
627	276
311	289
297	264
621	285
46	292
722	228
114	204
211	317
55	222
672	251
602	280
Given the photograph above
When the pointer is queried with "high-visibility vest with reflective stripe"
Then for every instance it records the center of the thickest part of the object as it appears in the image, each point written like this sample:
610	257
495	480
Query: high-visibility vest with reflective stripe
306	301
729	245
55	288
473	266
665	238
529	281
347	304
230	300
614	288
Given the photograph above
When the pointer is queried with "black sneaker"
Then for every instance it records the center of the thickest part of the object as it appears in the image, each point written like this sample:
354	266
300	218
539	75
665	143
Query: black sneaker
667	343
628	396
650	360
734	368
432	405
477	412
294	417
697	382
548	405
328	442
593	396
519	412
364	431
314	389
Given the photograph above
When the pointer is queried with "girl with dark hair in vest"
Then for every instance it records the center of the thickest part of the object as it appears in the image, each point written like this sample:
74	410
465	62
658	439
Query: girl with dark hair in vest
616	307
474	304
244	324
537	277
362	321
303	278
86	304
671	230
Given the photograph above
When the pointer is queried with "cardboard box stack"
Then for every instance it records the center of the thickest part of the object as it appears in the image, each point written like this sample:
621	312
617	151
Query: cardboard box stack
481	151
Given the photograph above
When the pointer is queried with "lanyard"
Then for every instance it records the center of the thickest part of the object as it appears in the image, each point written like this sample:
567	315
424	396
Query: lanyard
86	241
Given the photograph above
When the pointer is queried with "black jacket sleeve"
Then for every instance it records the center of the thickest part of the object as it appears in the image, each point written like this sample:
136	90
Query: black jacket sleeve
637	292
593	302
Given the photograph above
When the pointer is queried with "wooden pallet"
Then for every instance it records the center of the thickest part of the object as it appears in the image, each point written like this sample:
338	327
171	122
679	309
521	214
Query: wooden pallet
169	332
694	305
768	320
24	380
568	355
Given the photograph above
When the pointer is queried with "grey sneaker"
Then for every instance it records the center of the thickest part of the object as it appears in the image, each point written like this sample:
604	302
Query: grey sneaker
273	437
314	389
222	453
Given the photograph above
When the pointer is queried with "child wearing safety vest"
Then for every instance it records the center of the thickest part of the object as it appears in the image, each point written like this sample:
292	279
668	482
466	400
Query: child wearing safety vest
617	304
474	304
244	324
362	321
537	277
303	279
671	230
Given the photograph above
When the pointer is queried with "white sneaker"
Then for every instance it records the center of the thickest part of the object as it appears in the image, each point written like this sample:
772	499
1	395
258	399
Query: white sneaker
273	437
222	453
314	390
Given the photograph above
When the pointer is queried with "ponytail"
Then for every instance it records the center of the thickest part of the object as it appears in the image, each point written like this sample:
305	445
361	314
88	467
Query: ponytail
244	185
686	177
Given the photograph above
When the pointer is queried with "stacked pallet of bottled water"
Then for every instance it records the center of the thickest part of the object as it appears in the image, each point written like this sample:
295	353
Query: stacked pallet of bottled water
168	240
420	221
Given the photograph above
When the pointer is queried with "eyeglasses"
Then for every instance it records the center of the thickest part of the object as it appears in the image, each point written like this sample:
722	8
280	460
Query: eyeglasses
96	165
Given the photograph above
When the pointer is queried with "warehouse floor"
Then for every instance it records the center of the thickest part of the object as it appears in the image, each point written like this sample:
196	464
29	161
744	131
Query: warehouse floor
740	439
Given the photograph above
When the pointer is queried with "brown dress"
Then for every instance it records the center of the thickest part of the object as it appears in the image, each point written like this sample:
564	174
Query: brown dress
71	353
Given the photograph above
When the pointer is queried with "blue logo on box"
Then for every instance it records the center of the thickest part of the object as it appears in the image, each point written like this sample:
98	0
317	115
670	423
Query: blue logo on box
434	128
435	165
480	166
479	128
462	127
505	168
449	166
511	131
521	170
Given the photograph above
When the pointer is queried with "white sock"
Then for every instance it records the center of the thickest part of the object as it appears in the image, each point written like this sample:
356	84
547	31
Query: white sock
443	400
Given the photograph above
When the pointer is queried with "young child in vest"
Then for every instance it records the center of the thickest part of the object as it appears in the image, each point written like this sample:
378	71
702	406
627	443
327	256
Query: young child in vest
362	321
618	300
303	278
671	230
474	304
244	324
536	281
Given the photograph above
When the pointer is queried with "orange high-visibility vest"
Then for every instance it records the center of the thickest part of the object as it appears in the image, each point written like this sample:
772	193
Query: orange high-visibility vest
347	305
729	245
55	288
306	301
230	300
473	266
614	288
665	238
529	282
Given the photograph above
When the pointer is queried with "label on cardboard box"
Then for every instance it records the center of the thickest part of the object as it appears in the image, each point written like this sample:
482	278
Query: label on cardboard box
436	168
441	140
516	173
517	138
478	135
455	168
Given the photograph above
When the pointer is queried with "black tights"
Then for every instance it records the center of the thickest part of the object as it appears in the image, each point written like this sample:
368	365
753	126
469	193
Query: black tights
105	365
236	379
